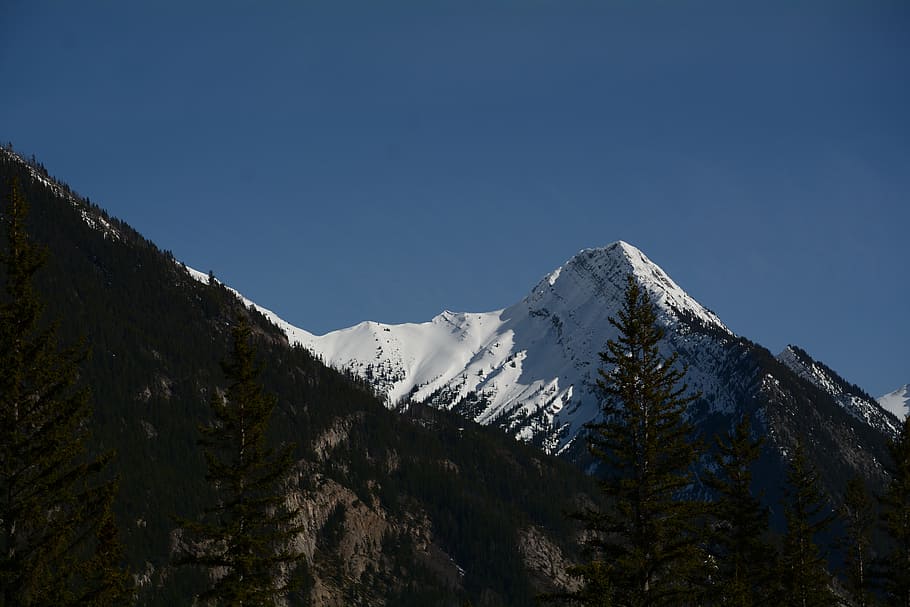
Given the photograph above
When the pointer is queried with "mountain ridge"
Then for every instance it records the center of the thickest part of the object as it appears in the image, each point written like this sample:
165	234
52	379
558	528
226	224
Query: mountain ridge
464	359
530	368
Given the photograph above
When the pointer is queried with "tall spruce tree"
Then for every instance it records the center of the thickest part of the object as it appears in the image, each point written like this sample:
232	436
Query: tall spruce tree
859	516
245	539
58	541
743	556
896	518
803	568
648	543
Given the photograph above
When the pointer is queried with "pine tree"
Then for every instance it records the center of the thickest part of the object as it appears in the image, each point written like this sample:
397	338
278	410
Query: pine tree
58	541
858	514
896	518
804	575
244	541
648	541
742	555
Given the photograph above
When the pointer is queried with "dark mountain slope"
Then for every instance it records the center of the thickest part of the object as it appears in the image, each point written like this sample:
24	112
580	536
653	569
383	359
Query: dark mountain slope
421	508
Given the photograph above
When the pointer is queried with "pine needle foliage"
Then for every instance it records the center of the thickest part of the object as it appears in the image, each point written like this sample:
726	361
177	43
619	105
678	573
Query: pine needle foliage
803	573
245	540
895	505
648	545
741	553
58	541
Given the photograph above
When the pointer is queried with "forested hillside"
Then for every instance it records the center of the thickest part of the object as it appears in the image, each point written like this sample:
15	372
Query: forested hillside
415	509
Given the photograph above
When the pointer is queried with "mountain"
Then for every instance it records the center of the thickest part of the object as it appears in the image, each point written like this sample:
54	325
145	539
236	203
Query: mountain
413	508
530	369
897	402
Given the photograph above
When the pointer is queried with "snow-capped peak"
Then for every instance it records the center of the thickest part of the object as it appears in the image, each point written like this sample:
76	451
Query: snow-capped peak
600	274
529	368
897	402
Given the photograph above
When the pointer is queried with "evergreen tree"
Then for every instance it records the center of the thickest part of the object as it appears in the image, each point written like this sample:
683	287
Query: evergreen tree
858	514
648	542
896	518
58	541
742	555
244	541
804	575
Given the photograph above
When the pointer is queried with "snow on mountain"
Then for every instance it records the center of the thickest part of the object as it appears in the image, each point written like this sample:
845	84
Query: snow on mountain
897	402
529	368
854	400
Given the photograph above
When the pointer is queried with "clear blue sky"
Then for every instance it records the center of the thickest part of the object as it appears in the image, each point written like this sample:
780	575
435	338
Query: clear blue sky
341	161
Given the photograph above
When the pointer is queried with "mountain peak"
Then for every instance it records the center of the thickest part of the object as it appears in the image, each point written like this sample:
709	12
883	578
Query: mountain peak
599	274
619	247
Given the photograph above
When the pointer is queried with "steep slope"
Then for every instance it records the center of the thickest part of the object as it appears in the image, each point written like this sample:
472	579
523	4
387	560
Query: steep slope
897	402
414	509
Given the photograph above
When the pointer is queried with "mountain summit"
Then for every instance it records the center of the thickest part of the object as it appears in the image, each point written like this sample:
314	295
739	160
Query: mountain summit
529	368
599	274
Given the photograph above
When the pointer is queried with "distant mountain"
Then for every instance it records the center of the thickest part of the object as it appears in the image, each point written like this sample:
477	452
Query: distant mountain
420	508
530	369
897	402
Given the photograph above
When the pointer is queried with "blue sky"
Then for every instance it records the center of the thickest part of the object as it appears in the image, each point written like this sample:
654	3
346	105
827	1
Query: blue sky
341	161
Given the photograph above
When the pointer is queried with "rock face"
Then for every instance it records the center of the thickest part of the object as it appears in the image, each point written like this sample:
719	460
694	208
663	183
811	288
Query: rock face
546	561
